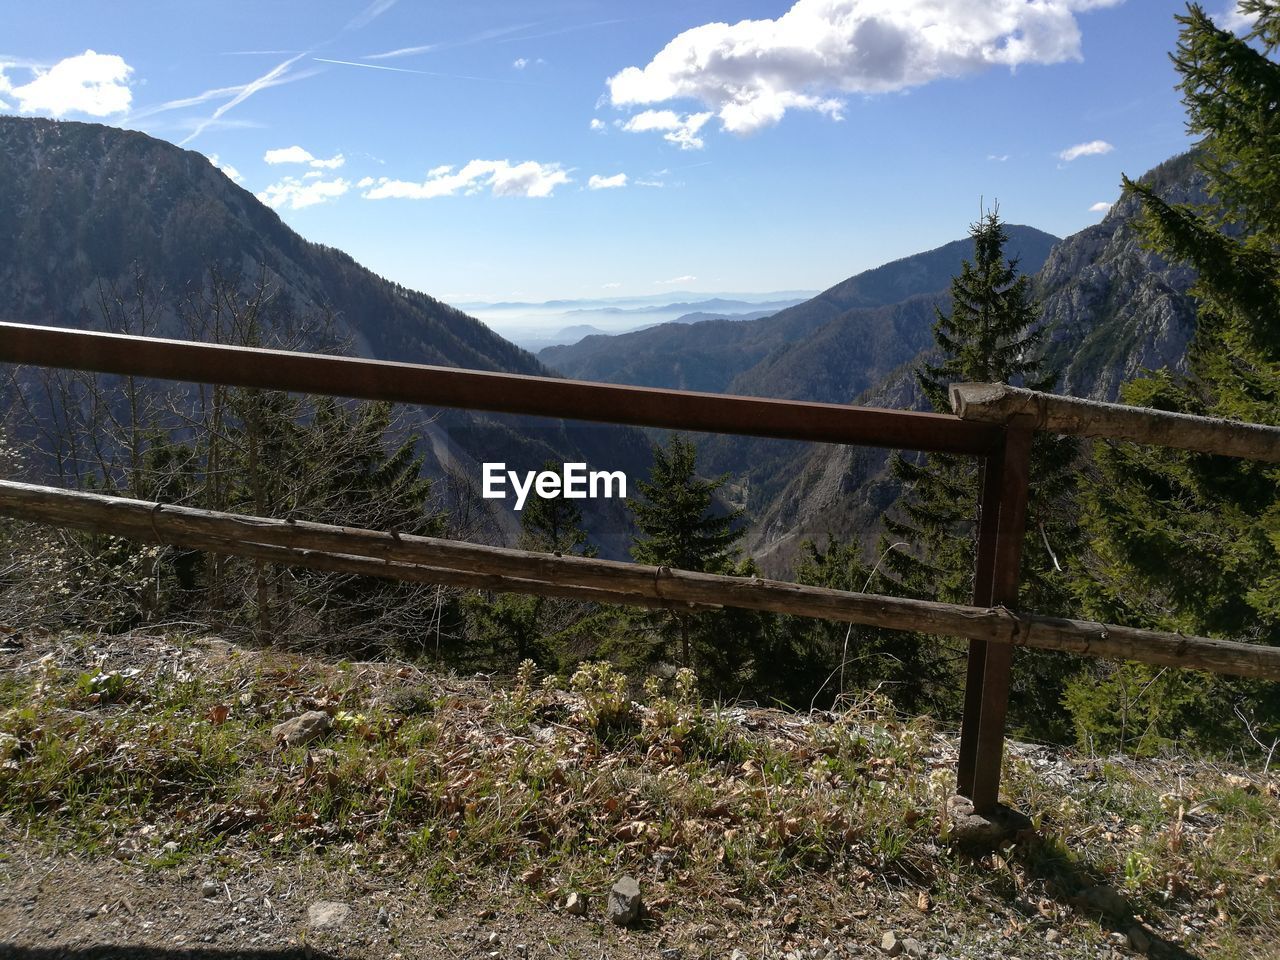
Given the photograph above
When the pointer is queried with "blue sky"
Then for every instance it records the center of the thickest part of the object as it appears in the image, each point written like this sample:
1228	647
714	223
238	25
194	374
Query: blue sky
521	149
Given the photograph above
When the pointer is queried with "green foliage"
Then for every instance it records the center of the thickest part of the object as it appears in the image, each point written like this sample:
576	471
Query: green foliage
608	707
929	548
553	524
1184	541
860	658
680	527
525	628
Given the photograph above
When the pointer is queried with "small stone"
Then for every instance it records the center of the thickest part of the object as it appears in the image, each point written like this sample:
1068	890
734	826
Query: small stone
913	948
303	728
890	945
1117	939
384	918
326	914
975	833
170	847
1052	936
737	955
522	949
624	902
493	939
575	905
670	953
210	889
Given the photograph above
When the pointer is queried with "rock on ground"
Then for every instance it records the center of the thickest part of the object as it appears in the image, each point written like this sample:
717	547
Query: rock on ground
326	914
624	902
976	833
303	728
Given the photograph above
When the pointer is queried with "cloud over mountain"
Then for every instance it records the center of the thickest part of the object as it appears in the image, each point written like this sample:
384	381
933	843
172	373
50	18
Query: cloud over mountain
502	177
752	72
95	84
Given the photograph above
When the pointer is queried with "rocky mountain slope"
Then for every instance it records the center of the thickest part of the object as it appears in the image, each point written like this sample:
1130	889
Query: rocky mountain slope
1112	308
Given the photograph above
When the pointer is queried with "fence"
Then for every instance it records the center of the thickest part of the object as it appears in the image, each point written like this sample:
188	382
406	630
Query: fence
996	424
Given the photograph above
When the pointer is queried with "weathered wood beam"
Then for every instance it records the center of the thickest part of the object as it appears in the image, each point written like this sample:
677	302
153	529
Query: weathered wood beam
405	557
998	402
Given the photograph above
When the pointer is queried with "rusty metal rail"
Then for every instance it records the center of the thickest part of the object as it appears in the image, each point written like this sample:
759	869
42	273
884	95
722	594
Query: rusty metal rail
490	391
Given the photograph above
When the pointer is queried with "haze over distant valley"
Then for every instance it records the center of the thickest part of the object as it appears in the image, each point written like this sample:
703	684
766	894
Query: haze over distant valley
535	326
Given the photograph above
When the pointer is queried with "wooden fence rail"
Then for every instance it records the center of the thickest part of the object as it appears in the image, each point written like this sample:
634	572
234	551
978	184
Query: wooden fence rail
433	560
999	402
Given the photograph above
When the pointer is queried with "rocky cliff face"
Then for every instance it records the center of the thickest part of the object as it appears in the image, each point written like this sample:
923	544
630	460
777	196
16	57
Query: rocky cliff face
1112	308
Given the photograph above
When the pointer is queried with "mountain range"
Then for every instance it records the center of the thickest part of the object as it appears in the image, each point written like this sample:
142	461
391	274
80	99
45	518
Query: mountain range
1110	309
84	205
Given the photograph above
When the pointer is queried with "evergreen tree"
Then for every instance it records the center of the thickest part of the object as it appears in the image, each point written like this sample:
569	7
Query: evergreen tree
553	524
680	527
527	627
1187	541
928	551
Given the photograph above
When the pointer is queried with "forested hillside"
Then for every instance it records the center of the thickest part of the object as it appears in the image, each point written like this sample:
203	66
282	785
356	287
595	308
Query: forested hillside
108	228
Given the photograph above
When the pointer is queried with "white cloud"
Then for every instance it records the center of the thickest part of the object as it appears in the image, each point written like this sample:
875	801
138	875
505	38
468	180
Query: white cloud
365	183
598	182
296	154
752	72
296	194
596	123
1235	19
503	178
610	286
232	173
370	13
288	155
687	278
333	163
91	83
682	131
998	157
520	63
1100	207
1093	148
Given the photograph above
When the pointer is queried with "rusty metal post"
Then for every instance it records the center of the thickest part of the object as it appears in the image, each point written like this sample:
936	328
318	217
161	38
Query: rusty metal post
1002	514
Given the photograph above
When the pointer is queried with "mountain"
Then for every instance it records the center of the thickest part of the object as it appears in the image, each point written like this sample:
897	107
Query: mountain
82	204
1110	308
710	355
699	315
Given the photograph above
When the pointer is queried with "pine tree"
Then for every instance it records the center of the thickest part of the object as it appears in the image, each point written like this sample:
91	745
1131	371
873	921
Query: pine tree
553	525
928	551
1187	541
527	627
680	527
